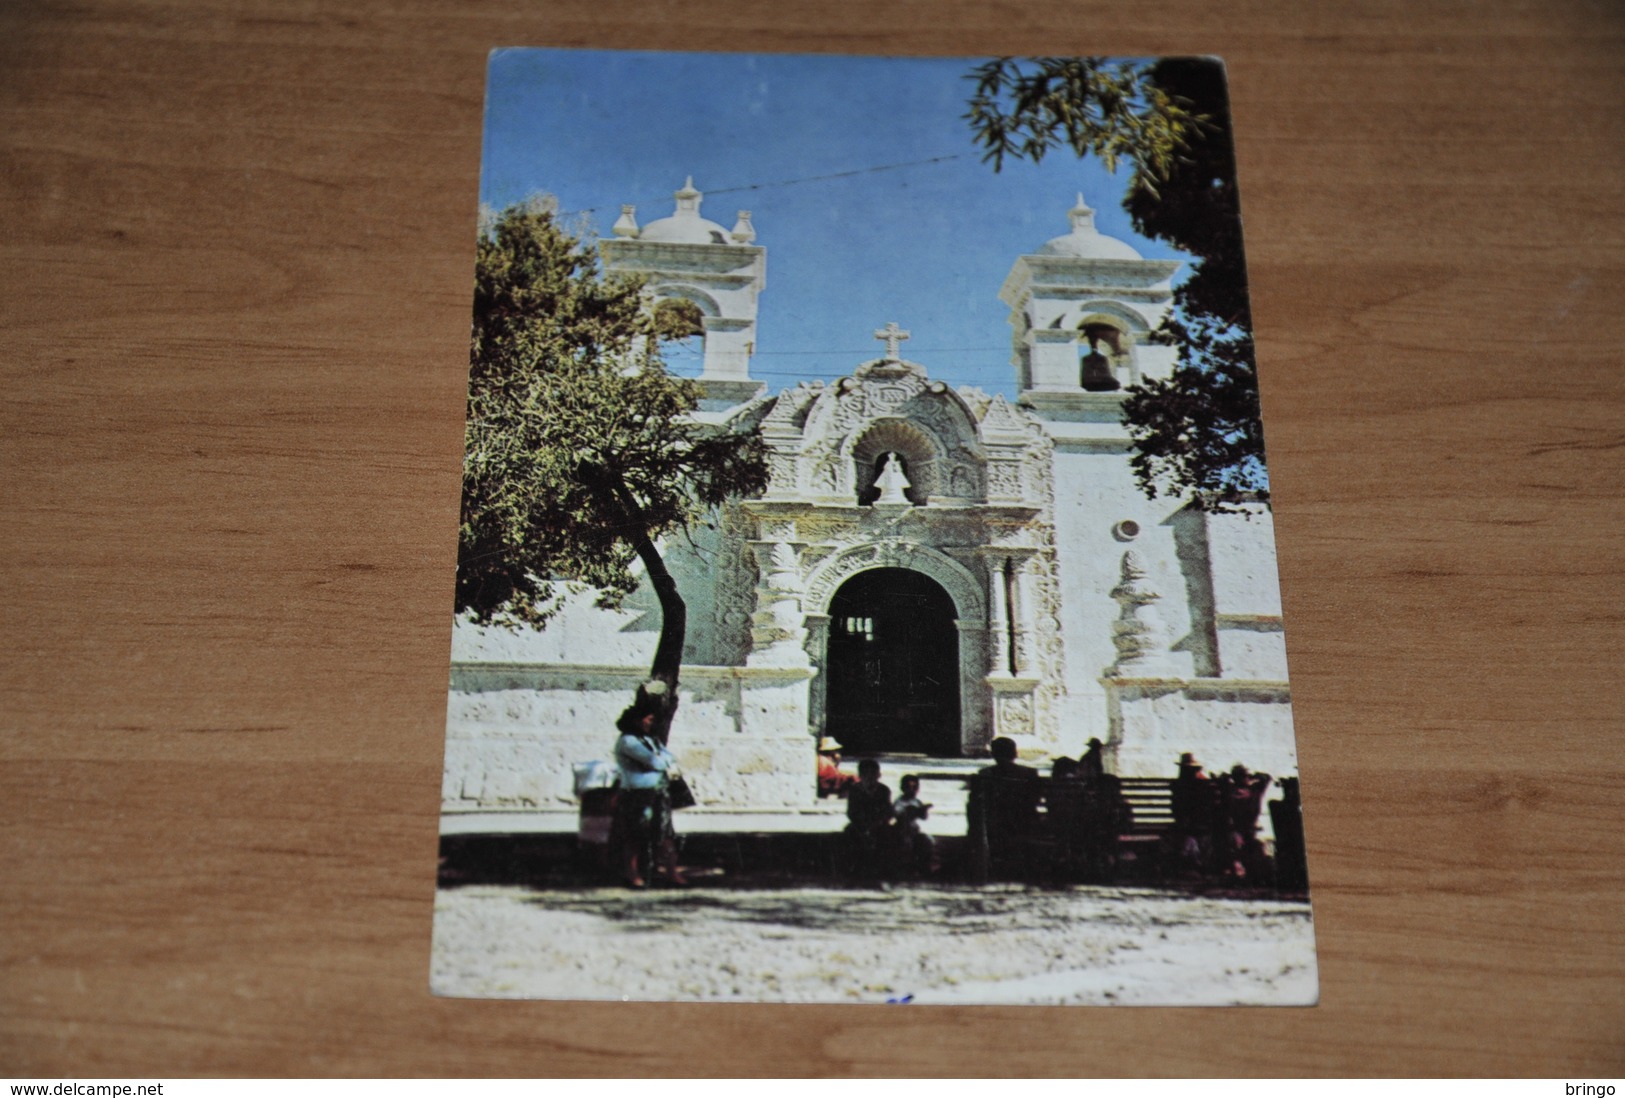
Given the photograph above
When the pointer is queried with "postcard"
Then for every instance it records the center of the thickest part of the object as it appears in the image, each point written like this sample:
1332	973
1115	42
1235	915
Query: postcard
866	580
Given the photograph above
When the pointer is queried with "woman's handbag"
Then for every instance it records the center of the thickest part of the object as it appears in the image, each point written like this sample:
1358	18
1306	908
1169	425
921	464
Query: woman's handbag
680	794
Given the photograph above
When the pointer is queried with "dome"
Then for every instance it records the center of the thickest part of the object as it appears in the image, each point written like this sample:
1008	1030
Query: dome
686	226
1087	242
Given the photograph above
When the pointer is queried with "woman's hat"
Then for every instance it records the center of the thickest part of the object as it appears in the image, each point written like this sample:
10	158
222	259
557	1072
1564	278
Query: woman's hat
827	745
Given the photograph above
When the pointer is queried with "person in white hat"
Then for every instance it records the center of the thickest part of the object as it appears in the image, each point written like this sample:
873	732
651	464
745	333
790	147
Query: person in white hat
831	782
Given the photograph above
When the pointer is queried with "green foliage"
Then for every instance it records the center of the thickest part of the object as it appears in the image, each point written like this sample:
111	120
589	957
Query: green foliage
580	450
1197	432
1196	207
674	318
1095	107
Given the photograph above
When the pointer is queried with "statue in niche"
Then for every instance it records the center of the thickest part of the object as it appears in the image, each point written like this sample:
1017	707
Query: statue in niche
892	481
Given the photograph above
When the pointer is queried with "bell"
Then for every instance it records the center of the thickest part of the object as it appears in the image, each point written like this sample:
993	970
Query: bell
1097	374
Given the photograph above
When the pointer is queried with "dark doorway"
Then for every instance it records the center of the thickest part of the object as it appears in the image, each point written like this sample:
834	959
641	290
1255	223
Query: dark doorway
893	665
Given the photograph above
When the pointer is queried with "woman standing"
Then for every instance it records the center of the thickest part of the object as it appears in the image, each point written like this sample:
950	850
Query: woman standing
643	828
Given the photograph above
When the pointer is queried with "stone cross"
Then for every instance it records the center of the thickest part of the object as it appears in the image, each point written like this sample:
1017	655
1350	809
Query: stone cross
893	335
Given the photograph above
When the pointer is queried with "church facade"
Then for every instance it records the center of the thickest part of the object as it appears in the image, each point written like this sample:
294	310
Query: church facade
929	567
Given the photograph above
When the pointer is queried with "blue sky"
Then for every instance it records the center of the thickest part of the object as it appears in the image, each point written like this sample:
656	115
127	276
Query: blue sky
925	244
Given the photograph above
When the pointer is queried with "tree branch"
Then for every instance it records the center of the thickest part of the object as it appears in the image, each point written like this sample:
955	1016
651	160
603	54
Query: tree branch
612	487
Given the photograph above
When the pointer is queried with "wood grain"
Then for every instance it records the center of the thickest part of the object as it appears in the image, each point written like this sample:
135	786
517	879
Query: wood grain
236	258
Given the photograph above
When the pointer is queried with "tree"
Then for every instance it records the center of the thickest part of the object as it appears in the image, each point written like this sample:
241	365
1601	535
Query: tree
580	453
1198	431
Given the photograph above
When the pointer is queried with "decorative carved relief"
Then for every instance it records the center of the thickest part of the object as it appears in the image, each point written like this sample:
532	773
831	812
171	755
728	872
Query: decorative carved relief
1044	566
777	529
827	473
790	409
735	585
1015	714
975	399
890	394
1001	418
960	444
813	555
1004	480
974	701
946	417
933	426
782	470
954	577
753	411
1137	633
817	648
784	569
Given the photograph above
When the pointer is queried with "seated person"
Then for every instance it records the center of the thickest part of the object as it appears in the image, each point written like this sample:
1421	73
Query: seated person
1092	766
1193	801
1110	817
869	818
831	781
1286	817
1003	750
1243	801
918	849
1067	804
1003	805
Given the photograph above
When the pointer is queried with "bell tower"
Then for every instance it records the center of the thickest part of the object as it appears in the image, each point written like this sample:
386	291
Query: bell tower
1082	310
720	271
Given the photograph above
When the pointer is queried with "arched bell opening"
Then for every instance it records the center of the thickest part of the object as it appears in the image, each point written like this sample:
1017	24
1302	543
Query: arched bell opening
1104	356
679	323
892	665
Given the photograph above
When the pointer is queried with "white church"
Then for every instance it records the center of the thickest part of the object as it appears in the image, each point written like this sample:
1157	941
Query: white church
930	567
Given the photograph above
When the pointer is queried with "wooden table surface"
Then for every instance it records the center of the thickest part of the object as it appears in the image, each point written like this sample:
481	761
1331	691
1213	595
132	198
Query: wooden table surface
237	249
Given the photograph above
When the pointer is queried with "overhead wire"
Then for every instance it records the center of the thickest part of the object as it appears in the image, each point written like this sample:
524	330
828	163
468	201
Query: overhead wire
846	174
743	187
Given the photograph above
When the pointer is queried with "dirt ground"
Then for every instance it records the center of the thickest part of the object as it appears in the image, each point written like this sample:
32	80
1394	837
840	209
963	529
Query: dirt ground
934	943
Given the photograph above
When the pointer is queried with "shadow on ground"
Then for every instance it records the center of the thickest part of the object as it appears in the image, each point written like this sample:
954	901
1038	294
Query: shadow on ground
727	864
733	860
961	911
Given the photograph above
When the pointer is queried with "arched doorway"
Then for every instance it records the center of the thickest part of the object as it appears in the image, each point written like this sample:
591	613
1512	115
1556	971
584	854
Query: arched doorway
892	669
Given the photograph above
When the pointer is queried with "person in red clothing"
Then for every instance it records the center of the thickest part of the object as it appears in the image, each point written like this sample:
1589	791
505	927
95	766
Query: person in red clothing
831	782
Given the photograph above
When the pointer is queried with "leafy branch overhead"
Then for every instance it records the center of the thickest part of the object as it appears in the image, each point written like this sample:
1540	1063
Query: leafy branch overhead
1197	432
580	448
1095	107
